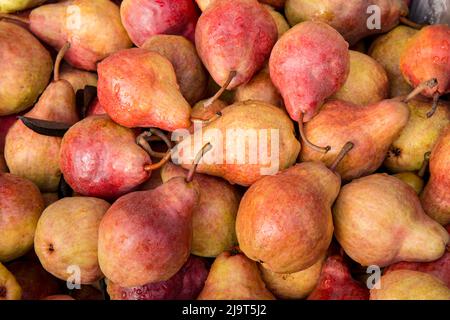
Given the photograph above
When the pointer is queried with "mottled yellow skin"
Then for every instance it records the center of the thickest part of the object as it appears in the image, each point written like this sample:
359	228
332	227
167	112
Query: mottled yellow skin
412	180
78	78
7	6
9	287
410	285
67	234
234	277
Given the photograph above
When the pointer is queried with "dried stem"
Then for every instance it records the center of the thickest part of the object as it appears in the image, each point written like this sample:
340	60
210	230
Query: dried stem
426	161
410	23
434	106
428	84
211	100
14	18
347	147
198	157
307	142
58	60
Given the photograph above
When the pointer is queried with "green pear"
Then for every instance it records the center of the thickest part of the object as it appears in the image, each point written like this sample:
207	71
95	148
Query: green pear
7	6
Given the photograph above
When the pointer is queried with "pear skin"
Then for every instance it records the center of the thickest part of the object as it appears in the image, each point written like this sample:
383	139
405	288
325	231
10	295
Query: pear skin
9	6
280	20
410	285
290	231
412	180
9	288
436	197
201	111
387	49
379	220
234	277
371	128
78	78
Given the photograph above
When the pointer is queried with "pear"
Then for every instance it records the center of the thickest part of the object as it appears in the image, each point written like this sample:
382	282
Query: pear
189	70
418	137
20	209
7	6
59	246
146	236
234	277
378	220
274	3
412	179
237	138
214	217
350	17
100	158
435	197
259	88
296	285
26	67
222	37
280	20
205	112
9	288
147	97
145	18
78	78
367	81
203	4
387	49
93	29
371	128
40	163
410	285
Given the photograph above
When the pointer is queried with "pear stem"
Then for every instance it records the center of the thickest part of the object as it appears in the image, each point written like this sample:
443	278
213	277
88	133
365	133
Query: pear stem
216	116
211	100
141	140
431	83
198	157
14	18
434	107
347	147
426	161
306	141
58	60
151	167
410	23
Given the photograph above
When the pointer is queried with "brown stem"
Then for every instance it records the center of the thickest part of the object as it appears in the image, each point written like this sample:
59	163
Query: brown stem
14	18
58	60
216	116
306	141
143	141
198	157
434	106
423	168
154	166
211	100
410	23
347	147
431	83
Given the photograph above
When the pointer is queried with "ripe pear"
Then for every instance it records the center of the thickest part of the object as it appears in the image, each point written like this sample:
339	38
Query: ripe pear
436	197
100	158
26	67
146	236
350	17
60	246
223	34
412	180
7	6
188	67
93	29
371	128
9	288
259	88
147	97
214	217
237	138
39	162
367	81
419	135
378	220
336	283
296	285
203	4
387	49
78	78
145	18
410	285
20	209
205	112
234	277
280	20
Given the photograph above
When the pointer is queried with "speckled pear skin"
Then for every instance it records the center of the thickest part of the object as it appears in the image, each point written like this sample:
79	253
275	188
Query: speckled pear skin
147	97
379	220
349	17
410	285
21	207
26	67
288	231
9	286
93	28
39	161
10	6
308	64
371	128
100	158
146	236
427	56
235	35
234	277
436	197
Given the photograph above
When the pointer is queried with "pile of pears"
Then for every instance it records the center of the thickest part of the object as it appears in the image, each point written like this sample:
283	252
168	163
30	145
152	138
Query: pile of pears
102	181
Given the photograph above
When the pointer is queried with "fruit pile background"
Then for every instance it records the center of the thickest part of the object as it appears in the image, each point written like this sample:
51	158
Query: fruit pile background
95	205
